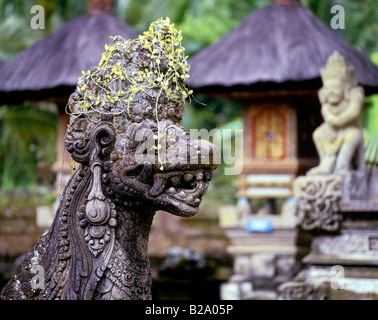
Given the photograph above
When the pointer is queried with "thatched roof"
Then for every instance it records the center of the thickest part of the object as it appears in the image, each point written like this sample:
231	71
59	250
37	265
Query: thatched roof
278	46
51	67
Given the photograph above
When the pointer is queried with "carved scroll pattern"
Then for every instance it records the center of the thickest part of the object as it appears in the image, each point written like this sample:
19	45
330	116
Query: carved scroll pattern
99	214
317	202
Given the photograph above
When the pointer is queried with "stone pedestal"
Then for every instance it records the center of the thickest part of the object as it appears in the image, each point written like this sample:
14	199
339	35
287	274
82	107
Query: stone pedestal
343	261
342	266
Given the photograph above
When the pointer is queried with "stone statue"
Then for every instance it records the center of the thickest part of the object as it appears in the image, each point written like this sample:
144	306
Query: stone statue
134	159
339	140
341	173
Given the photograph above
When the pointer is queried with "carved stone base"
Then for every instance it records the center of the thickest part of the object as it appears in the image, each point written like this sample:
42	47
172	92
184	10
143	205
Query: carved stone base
317	202
332	283
317	198
340	266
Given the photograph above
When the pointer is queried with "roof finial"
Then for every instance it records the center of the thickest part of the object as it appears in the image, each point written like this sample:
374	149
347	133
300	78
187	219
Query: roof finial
100	7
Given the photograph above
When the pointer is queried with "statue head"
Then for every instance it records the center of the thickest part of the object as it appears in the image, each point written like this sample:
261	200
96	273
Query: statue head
338	78
126	115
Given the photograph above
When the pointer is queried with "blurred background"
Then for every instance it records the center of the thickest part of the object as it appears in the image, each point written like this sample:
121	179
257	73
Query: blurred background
186	252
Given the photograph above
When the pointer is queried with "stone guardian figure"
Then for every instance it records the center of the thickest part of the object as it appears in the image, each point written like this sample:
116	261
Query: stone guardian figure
339	140
135	158
341	173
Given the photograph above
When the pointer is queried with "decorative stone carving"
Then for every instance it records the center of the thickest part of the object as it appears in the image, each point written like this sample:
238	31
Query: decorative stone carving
134	159
339	140
349	246
295	290
317	202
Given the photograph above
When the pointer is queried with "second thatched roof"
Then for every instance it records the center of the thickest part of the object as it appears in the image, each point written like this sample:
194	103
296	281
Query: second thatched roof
278	46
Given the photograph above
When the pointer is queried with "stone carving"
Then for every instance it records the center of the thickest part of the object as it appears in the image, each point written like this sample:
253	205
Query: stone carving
317	202
341	173
340	245
339	140
134	159
296	290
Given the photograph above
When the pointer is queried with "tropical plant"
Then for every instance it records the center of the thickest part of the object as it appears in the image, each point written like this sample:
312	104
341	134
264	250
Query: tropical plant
27	145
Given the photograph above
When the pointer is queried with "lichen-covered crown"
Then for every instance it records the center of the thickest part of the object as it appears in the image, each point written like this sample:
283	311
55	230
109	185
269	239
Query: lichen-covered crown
136	79
127	113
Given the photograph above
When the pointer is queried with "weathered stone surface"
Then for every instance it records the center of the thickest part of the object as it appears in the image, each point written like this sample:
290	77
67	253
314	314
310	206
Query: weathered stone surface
134	159
317	202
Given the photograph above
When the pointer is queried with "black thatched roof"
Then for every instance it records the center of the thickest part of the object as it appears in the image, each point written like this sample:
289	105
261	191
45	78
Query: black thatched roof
51	67
278	46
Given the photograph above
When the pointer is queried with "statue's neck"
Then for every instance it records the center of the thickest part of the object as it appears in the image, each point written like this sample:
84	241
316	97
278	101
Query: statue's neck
133	221
122	263
132	231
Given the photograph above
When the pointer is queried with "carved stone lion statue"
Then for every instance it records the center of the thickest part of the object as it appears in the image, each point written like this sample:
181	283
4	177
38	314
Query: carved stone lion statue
134	159
339	140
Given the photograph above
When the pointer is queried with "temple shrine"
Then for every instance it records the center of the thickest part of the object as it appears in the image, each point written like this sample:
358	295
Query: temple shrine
271	63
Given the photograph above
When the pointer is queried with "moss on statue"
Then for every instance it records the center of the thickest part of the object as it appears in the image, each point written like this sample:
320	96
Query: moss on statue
140	78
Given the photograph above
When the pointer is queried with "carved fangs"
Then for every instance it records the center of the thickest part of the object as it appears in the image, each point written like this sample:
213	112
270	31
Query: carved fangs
158	187
187	187
146	174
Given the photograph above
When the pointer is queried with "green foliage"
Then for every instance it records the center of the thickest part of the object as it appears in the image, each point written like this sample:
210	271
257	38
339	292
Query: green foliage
369	118
15	36
370	112
27	145
202	22
361	25
208	112
16	33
